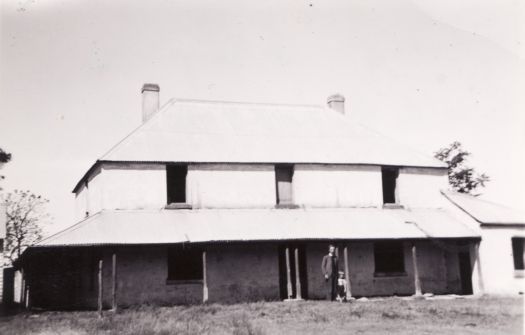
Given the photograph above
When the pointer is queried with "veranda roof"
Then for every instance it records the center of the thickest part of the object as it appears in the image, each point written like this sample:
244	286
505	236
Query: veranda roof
221	225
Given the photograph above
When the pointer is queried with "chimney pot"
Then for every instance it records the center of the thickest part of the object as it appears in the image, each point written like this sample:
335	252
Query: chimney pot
337	103
150	100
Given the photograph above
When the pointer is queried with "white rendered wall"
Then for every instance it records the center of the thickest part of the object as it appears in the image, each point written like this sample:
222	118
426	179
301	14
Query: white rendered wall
337	186
497	262
420	187
134	186
143	186
495	256
230	186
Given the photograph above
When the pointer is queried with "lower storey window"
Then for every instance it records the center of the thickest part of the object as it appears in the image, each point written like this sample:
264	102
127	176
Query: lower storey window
517	252
184	263
389	258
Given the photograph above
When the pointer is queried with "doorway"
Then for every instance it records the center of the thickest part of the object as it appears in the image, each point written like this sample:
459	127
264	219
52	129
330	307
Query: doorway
465	272
283	284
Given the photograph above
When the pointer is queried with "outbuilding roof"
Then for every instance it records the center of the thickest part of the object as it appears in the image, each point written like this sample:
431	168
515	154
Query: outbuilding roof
485	212
208	131
227	225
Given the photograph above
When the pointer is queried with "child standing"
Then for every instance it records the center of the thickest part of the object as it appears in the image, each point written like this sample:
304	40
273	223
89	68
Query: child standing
341	287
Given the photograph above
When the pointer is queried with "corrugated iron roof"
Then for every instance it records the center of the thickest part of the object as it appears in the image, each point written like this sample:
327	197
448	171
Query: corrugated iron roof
485	212
206	131
209	225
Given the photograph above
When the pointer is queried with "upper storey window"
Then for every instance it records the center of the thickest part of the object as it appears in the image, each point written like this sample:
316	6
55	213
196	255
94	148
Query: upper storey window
176	183
283	181
389	177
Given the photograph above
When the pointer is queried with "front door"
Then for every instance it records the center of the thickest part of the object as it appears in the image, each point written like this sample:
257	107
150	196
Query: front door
283	271
465	272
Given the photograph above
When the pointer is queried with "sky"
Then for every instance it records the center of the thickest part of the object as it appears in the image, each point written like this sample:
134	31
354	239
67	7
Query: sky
425	73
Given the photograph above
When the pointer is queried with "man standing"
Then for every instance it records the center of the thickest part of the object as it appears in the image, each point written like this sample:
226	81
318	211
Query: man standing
329	266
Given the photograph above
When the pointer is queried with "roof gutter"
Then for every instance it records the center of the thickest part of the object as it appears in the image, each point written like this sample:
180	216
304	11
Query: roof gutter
113	244
86	176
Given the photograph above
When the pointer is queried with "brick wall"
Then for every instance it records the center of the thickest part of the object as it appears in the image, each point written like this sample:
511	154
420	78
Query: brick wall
69	279
438	274
248	272
235	272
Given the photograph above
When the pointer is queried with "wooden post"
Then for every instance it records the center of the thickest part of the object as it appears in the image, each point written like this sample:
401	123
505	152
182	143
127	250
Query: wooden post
481	285
27	297
417	282
114	282
297	277
100	264
288	275
347	275
22	286
204	279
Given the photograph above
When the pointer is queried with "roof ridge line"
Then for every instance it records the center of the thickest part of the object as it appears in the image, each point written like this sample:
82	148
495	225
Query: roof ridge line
183	100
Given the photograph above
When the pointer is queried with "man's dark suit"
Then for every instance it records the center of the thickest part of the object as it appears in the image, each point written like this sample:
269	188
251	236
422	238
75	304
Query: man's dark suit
329	266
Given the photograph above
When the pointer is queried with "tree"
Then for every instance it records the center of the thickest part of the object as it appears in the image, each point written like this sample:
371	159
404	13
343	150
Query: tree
4	158
462	178
25	215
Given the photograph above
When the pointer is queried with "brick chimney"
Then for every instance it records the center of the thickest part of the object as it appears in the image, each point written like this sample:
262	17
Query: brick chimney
150	100
337	103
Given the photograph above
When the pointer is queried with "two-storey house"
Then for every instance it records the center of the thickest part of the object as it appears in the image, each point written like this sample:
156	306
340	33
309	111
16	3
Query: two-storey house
223	202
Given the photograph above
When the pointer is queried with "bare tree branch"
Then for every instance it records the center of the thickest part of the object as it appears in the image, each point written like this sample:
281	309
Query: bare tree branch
25	216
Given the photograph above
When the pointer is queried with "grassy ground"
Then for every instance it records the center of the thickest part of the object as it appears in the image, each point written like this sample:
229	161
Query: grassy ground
391	315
